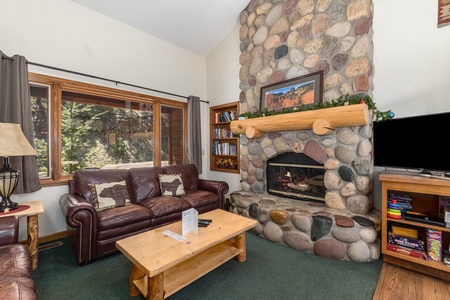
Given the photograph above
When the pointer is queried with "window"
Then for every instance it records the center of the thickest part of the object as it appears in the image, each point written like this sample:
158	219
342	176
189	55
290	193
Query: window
40	104
78	125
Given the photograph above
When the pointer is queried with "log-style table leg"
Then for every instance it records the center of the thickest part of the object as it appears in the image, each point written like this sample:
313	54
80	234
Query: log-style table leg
136	274
33	236
156	287
239	242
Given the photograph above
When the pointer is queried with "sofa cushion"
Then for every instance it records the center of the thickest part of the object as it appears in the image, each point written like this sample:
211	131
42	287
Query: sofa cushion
165	205
189	174
171	184
200	198
82	179
18	288
144	183
122	220
16	260
109	195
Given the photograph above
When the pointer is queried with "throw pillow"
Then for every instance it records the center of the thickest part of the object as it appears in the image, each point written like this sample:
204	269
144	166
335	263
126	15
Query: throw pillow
109	195
171	184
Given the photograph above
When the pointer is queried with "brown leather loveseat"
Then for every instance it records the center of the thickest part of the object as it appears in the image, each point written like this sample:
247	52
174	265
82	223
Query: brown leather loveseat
95	231
16	278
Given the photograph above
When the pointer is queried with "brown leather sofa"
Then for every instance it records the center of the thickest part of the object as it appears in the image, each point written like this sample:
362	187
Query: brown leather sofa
95	232
16	278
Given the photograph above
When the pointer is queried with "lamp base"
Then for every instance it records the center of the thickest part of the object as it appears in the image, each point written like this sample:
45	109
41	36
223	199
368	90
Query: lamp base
8	205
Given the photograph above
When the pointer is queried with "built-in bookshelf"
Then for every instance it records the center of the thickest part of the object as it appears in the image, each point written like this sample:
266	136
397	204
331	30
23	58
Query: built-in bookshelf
224	156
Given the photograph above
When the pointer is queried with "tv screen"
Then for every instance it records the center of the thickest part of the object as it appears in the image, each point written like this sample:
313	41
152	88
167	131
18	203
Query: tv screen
417	143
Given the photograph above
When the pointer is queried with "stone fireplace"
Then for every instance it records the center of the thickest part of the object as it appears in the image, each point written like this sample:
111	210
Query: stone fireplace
336	222
333	36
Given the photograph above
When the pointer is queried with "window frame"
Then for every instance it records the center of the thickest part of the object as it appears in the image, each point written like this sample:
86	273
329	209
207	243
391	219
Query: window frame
58	85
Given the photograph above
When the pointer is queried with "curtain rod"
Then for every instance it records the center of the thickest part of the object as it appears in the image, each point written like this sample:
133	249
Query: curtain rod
101	78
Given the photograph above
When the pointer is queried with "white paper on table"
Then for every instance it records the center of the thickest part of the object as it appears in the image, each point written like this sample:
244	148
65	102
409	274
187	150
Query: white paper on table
189	221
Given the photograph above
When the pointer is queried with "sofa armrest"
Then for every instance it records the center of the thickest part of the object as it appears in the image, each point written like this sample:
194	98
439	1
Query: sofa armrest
82	216
215	186
78	211
9	230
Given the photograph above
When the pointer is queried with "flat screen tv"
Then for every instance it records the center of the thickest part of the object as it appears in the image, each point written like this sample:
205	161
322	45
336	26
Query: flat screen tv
417	144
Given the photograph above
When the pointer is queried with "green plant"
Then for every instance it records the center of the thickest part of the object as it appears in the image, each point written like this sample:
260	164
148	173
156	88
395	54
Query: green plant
341	101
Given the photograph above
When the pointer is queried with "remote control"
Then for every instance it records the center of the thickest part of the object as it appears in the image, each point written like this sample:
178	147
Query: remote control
205	220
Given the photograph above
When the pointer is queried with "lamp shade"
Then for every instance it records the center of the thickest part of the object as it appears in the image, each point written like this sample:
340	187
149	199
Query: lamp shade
13	142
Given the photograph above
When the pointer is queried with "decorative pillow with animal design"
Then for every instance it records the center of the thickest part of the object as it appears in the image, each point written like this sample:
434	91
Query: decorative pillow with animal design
171	184
109	195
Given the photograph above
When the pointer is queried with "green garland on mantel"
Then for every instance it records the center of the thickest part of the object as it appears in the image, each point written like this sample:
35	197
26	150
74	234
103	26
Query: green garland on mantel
341	101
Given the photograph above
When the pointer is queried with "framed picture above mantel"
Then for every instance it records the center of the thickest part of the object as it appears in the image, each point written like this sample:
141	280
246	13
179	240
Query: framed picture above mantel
304	90
443	13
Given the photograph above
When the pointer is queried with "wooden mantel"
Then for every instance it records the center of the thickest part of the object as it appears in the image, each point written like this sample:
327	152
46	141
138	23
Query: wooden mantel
321	121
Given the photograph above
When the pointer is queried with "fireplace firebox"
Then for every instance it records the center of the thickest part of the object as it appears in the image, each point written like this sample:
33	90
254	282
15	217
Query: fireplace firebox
296	176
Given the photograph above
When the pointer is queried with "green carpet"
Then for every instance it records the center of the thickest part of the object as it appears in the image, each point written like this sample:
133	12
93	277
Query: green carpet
271	271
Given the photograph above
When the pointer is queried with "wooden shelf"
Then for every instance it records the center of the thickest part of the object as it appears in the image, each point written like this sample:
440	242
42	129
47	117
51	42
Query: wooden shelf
225	141
192	269
322	121
425	194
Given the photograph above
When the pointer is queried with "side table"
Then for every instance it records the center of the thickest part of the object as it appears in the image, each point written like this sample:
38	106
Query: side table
35	208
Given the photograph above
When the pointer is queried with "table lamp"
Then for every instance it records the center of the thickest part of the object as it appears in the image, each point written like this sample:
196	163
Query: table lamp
12	143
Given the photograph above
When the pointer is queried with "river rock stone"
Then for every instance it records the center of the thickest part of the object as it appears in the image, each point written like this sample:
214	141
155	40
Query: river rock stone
298	240
301	220
320	227
330	248
315	151
359	252
253	210
346	173
279	217
344	221
281	51
363	221
348	235
273	232
368	235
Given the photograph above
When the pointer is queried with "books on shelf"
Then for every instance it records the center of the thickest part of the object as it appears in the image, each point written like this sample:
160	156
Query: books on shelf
223	148
226	116
233	149
222	133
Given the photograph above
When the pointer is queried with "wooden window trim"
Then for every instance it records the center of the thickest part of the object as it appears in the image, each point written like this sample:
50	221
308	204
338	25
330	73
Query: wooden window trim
58	85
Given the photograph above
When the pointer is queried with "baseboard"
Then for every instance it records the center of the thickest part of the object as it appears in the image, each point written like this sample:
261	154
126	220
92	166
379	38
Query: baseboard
51	237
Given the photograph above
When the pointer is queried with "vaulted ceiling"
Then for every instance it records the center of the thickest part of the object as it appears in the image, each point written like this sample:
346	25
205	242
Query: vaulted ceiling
198	26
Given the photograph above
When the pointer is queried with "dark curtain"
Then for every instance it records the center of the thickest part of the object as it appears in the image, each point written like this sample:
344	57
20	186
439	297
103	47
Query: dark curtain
15	107
194	133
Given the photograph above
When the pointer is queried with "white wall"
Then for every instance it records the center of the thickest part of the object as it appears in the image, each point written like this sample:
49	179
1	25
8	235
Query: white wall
410	58
66	35
222	82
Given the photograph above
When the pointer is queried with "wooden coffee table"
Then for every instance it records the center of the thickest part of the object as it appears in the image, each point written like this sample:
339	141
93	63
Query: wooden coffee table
163	265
